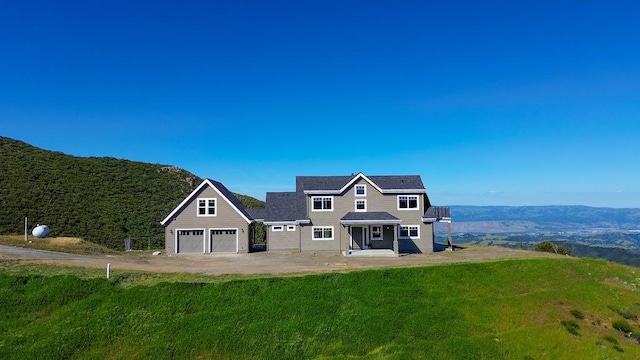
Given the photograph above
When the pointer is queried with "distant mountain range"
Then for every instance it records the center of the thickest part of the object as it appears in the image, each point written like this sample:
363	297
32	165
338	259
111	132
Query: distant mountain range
534	219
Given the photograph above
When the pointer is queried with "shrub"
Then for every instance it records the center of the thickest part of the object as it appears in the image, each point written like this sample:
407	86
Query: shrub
548	246
571	326
577	314
621	325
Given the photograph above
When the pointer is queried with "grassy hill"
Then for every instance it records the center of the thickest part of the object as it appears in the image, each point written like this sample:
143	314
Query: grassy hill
103	200
516	309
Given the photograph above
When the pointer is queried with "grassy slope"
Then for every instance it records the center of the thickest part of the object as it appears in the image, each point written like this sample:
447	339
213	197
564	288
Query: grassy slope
506	309
102	200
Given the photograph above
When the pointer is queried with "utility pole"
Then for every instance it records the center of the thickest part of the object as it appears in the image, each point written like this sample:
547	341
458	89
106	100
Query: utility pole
26	239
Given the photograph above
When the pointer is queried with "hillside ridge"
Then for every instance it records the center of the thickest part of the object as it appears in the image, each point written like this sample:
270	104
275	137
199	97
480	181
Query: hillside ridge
101	199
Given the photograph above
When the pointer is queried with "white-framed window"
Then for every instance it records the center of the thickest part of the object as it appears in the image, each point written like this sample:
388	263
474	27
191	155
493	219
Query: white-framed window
207	206
361	190
361	205
409	232
322	232
276	228
376	232
322	203
291	228
407	202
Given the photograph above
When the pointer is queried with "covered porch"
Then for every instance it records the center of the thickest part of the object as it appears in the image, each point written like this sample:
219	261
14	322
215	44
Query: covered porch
371	233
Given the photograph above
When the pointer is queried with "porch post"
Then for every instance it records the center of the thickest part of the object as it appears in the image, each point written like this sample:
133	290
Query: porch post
396	249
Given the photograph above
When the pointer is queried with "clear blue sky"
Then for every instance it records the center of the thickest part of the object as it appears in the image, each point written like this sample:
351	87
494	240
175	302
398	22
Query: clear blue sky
492	103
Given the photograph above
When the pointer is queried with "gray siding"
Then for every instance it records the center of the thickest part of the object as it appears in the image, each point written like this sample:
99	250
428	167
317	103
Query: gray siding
376	201
283	240
227	218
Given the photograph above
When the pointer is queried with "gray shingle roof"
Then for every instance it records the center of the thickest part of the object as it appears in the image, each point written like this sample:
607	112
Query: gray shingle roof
370	216
234	200
283	206
257	213
337	182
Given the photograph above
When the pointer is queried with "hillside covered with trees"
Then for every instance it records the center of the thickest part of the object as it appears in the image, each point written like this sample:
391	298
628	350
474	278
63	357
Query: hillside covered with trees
103	200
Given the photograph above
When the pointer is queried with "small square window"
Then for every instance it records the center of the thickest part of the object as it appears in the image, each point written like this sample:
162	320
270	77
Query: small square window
361	190
361	205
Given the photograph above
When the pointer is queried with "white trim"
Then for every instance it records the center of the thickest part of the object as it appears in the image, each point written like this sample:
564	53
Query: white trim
193	193
409	232
210	242
360	175
355	190
381	233
408	208
356	205
206	207
175	239
322	201
274	227
384	191
313	230
281	222
291	228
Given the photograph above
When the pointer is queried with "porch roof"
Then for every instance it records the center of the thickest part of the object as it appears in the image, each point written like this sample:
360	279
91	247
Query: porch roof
366	218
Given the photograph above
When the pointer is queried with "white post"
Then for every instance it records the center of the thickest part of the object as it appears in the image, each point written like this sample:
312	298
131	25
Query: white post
26	237
108	270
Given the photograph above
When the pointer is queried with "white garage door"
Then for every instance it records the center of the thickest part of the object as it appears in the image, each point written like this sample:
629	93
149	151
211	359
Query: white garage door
190	241
224	240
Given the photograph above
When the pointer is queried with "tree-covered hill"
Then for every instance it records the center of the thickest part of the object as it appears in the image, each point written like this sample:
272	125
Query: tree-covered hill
103	200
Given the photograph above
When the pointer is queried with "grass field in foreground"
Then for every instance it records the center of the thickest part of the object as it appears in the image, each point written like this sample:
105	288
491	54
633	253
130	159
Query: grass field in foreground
515	309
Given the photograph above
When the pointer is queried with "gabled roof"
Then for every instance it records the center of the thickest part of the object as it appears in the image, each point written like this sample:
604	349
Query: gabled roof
223	191
338	184
283	207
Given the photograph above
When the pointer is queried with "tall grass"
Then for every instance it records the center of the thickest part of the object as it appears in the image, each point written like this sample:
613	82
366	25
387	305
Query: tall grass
507	309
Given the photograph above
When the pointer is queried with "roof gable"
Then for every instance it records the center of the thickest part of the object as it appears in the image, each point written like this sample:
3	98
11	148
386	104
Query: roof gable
338	184
227	195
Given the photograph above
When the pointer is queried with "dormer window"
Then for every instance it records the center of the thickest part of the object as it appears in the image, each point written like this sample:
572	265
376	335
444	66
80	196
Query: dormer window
361	190
322	203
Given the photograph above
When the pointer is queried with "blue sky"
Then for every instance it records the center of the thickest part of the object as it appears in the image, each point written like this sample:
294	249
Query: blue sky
492	103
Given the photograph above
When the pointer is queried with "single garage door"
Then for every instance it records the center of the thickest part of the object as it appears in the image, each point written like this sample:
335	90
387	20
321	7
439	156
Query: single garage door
224	241
190	241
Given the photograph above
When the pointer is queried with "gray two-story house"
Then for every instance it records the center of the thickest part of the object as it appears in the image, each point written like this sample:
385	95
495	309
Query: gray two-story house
347	214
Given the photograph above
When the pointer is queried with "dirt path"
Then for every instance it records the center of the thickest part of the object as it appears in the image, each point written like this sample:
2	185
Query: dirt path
260	263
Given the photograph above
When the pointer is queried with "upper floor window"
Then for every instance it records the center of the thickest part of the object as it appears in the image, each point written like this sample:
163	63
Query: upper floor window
276	228
361	190
322	203
207	207
407	202
361	205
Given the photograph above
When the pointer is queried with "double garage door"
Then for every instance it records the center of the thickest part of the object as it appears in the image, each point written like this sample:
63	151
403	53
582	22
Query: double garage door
220	241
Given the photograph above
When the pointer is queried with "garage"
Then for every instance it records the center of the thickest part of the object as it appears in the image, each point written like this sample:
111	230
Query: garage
224	240
190	241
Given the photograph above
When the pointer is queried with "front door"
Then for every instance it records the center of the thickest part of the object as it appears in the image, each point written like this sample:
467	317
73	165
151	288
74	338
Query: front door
359	239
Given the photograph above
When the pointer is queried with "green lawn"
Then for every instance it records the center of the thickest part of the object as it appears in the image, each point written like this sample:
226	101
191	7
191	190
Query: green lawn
496	310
